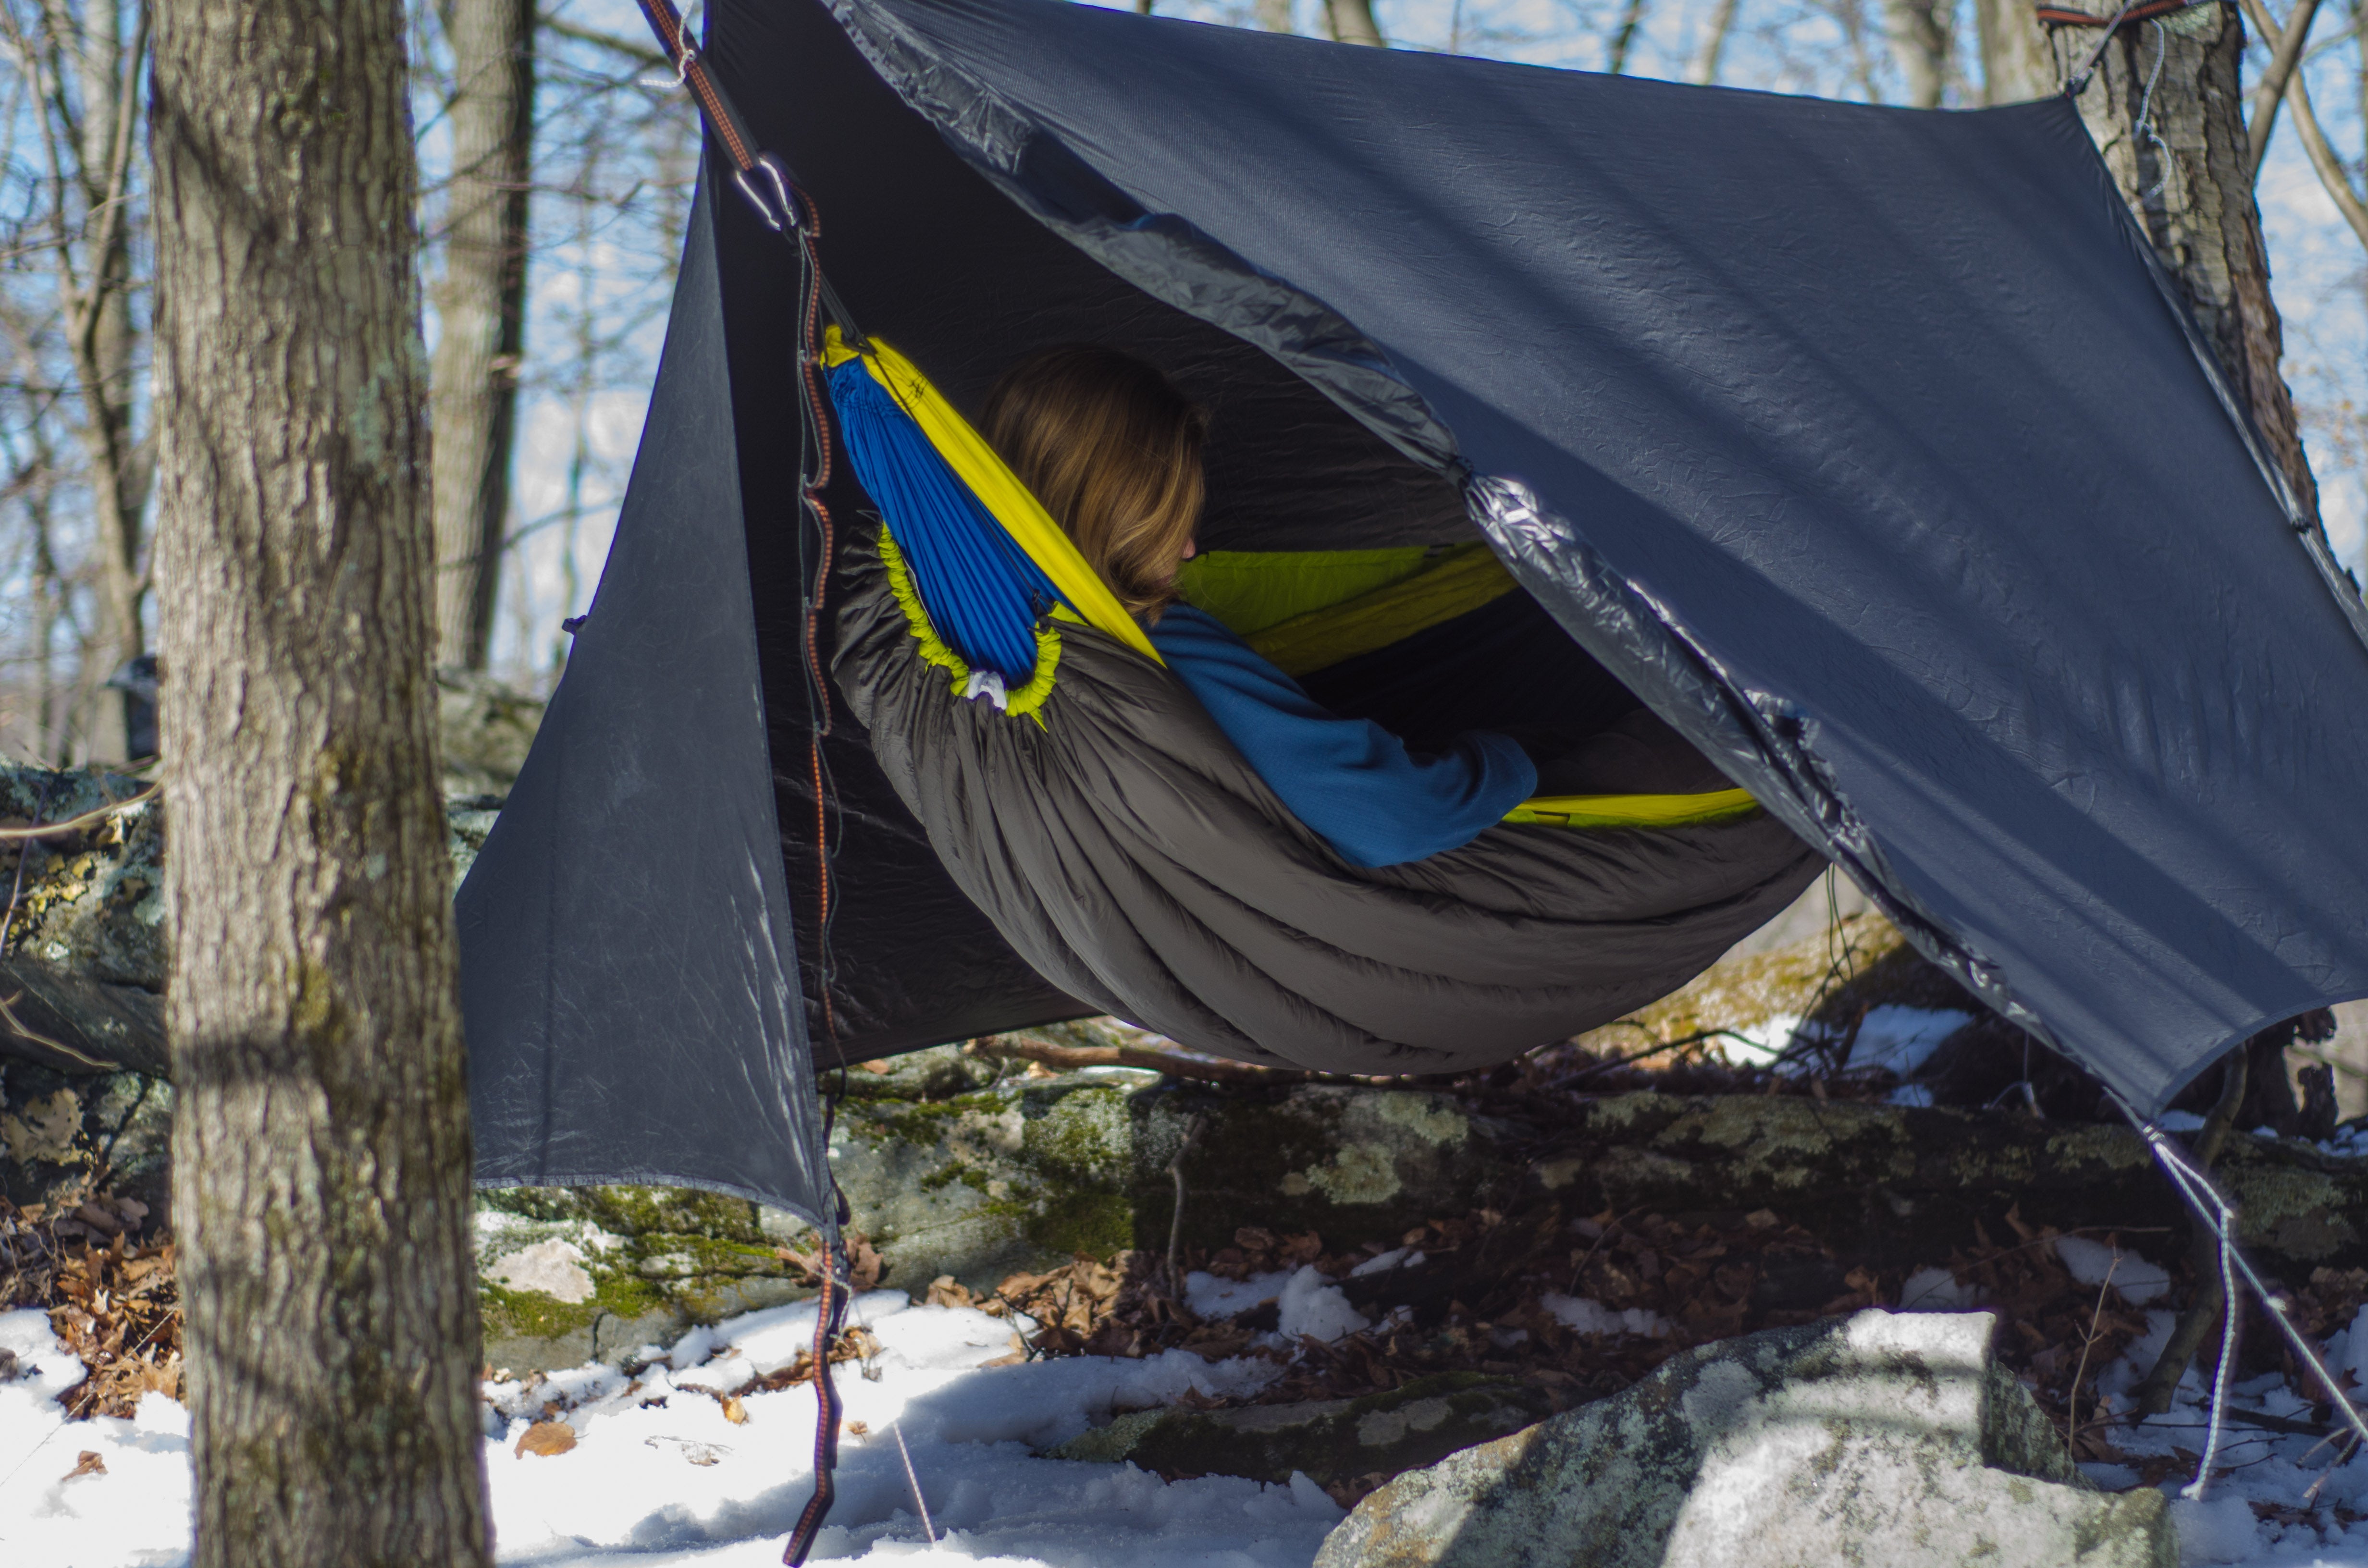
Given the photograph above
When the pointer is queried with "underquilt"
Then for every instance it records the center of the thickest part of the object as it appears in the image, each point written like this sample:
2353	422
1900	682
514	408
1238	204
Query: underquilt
1131	855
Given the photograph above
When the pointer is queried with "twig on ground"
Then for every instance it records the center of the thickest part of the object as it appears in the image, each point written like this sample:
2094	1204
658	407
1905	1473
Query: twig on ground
2087	1342
1175	1220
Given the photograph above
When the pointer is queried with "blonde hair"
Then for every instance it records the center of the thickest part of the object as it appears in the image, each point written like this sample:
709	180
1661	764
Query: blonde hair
1113	451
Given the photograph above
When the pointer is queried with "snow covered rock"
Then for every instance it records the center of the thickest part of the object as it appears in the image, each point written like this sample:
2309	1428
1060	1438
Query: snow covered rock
1326	1441
1891	1438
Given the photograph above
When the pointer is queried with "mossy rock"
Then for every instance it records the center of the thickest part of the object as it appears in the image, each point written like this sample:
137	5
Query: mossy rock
568	1275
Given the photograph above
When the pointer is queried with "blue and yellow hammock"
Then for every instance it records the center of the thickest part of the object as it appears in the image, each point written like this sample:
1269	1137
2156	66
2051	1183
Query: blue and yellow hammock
983	573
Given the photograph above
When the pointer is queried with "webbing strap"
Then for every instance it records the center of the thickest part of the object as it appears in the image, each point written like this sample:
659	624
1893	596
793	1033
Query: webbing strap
787	211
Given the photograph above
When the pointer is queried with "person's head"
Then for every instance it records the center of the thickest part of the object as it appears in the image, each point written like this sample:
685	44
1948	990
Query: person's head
1113	451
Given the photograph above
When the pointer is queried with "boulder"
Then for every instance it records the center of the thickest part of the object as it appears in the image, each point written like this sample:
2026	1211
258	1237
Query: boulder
1884	1438
1328	1440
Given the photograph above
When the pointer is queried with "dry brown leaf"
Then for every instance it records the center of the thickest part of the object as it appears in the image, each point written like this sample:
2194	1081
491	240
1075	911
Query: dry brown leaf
546	1438
86	1463
734	1411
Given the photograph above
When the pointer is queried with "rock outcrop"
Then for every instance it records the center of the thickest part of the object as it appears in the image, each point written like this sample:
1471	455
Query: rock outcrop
1875	1440
1328	1442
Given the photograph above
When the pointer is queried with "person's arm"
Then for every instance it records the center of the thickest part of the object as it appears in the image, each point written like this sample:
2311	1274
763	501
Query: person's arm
1351	780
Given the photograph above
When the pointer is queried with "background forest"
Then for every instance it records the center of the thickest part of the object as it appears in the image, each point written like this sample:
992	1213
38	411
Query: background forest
558	157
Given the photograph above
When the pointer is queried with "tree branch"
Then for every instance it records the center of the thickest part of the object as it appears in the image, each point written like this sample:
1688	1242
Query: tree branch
2285	55
639	53
2323	158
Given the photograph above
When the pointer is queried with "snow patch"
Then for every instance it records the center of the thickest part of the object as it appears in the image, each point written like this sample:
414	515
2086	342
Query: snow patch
1935	1291
2217	1529
1210	1297
1401	1257
1757	1045
1314	1306
2137	1280
1903	1039
1584	1316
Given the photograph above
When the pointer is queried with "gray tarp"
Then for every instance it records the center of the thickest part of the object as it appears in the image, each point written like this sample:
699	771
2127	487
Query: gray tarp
1863	443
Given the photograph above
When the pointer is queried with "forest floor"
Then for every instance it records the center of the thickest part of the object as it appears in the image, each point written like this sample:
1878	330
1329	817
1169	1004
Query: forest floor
701	1451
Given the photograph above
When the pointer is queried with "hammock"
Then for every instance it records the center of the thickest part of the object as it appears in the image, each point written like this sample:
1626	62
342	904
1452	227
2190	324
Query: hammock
1078	793
979	567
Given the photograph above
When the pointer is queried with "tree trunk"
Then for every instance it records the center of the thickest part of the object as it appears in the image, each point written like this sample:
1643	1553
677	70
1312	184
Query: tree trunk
2017	63
321	1151
1920	35
94	277
1352	22
1713	47
2182	161
480	306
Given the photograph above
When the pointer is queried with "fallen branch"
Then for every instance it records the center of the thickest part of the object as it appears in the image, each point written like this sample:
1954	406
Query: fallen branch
1175	1063
16	834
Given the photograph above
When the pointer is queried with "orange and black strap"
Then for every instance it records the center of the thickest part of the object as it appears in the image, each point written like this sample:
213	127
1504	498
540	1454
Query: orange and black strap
759	174
2064	16
787	212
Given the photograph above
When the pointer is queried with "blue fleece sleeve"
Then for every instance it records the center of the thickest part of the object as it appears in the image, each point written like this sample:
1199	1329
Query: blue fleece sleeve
1349	779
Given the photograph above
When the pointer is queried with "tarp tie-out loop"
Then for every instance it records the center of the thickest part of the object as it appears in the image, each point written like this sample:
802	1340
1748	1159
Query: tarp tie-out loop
690	70
2214	1209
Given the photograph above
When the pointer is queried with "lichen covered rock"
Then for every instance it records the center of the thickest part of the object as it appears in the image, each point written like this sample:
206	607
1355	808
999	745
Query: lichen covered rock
1328	1440
569	1274
64	1137
1873	1439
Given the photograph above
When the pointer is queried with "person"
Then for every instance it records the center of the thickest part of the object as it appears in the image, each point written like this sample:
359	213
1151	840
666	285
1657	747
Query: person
1113	451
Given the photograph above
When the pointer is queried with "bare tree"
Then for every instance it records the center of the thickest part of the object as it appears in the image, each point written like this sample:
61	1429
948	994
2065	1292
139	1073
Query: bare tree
2165	108
1923	34
2017	64
81	62
1352	21
481	309
1714	45
2283	80
1623	36
321	1147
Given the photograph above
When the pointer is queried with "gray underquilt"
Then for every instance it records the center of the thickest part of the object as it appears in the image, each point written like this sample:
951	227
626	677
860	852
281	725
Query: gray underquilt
1137	861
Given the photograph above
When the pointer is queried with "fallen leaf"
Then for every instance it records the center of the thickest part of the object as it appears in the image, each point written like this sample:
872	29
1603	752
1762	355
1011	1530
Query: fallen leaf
859	1429
86	1463
546	1438
735	1412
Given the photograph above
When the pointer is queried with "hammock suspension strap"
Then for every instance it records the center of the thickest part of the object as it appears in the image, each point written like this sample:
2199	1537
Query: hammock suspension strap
784	208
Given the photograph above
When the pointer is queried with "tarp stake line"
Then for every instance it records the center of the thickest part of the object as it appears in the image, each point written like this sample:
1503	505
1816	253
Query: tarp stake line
2215	1211
913	1480
791	214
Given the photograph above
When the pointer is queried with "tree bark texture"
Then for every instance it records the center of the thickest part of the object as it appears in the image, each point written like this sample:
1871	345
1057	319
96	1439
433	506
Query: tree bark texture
480	307
2181	158
321	1151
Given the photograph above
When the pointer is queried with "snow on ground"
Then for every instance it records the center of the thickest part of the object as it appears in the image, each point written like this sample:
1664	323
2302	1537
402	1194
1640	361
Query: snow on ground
660	1478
